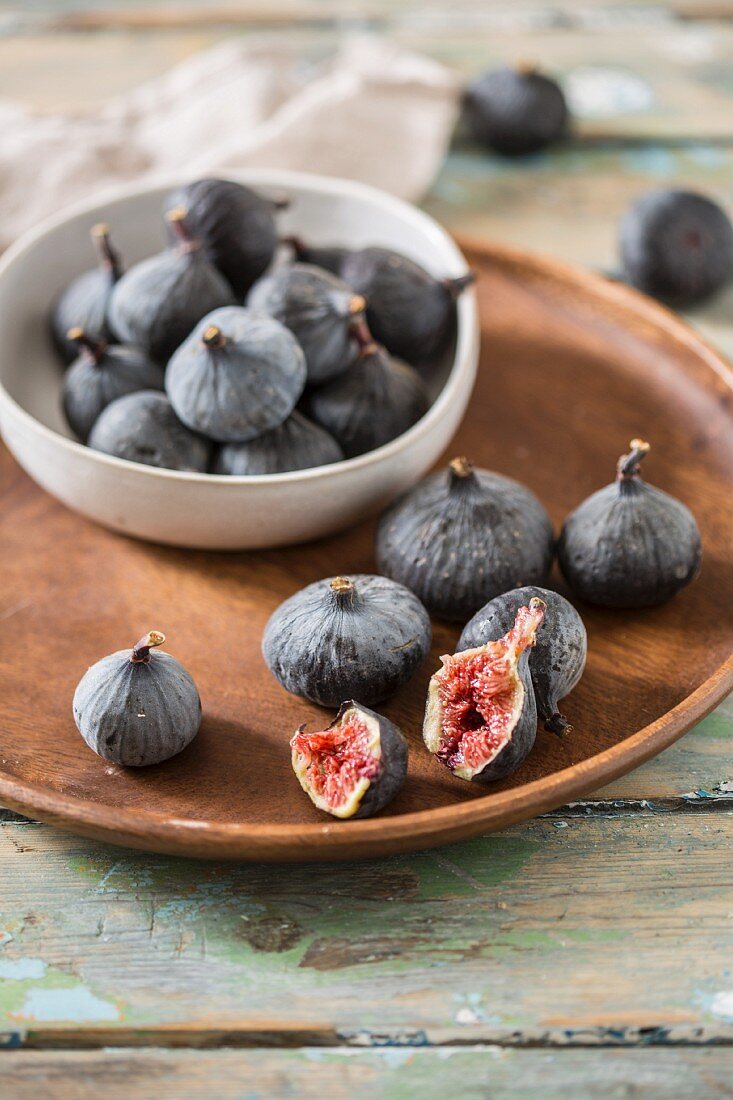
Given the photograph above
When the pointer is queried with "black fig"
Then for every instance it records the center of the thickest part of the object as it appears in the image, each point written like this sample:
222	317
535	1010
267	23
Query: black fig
677	246
235	225
516	111
158	301
296	444
557	659
408	310
629	544
357	637
374	401
138	706
355	766
142	427
481	717
463	536
238	374
100	375
84	302
319	310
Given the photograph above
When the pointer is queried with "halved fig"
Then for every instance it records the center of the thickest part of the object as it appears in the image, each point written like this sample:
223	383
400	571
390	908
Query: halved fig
481	715
355	766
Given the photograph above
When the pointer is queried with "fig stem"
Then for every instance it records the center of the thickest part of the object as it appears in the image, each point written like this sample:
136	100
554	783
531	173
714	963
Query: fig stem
558	724
94	348
109	258
524	67
629	465
344	591
455	287
357	305
176	218
360	332
141	650
296	243
460	469
213	337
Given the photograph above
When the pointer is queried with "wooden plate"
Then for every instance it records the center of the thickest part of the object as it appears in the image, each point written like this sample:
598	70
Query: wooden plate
572	368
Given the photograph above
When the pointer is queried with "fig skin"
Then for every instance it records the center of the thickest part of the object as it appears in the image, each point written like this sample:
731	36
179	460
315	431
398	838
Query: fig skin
515	112
138	706
239	374
375	401
84	302
676	246
523	732
557	659
235	225
319	310
142	427
463	536
156	304
389	780
358	637
100	374
329	257
408	310
296	444
629	544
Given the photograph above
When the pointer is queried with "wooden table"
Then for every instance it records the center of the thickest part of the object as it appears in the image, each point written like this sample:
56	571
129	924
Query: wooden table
587	953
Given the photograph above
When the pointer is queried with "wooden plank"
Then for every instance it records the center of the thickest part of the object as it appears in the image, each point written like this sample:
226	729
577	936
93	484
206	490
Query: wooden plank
557	932
311	1074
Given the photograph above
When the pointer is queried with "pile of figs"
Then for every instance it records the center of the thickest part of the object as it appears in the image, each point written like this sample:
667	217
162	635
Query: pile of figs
234	352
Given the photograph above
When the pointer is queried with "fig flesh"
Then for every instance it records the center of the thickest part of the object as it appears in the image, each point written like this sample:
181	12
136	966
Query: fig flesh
463	536
319	310
481	717
358	637
556	660
629	544
235	225
138	706
239	374
354	767
84	302
157	302
516	111
100	374
142	427
296	444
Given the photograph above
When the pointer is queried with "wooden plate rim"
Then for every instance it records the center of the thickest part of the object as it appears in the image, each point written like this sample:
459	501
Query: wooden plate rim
333	840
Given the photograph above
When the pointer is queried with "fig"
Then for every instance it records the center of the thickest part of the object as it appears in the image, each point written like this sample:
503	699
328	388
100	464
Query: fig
357	637
296	444
676	245
142	427
158	301
138	706
377	399
463	536
515	111
355	766
100	375
408	310
84	302
557	659
629	544
319	310
481	717
235	225
238	374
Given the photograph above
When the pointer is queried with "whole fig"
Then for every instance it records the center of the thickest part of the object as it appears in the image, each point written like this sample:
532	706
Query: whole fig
84	302
238	374
357	637
463	536
138	706
629	544
354	767
557	659
296	444
142	427
516	111
158	301
481	717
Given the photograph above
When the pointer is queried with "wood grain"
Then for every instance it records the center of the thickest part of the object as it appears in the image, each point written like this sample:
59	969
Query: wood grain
572	368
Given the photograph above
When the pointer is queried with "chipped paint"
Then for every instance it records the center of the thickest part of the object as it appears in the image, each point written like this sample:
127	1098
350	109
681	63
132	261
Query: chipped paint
722	1005
5	937
19	970
599	92
76	1004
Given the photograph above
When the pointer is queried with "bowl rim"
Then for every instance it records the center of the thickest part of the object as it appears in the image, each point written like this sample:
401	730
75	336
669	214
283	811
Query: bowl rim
462	369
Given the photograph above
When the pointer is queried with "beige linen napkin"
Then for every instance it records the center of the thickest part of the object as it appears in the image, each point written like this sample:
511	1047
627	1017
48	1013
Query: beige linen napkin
373	112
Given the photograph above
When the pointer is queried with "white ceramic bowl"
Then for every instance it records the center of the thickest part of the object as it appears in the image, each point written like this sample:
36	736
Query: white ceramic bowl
202	510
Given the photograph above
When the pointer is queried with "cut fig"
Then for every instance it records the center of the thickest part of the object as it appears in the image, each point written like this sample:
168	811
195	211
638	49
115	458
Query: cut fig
481	715
355	766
